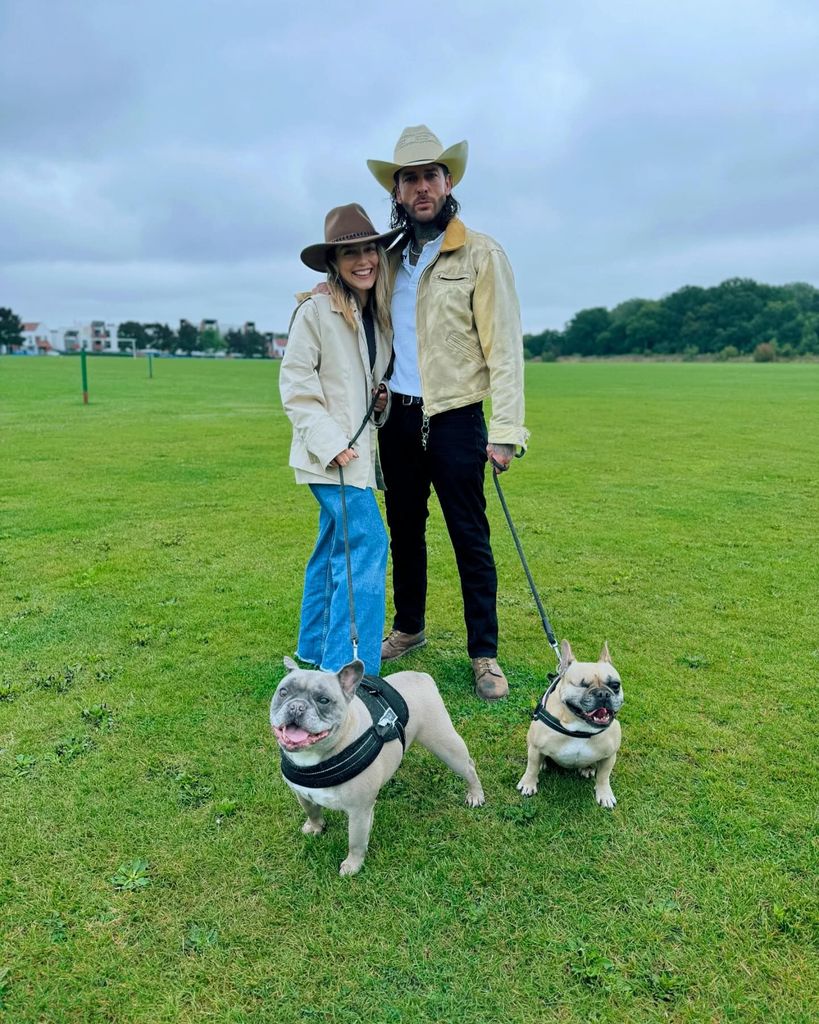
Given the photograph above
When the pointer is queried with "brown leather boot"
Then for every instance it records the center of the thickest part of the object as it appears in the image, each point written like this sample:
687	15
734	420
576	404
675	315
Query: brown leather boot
490	682
398	643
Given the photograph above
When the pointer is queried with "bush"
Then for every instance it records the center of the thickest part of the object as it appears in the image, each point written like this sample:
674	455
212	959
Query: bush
729	352
765	352
690	353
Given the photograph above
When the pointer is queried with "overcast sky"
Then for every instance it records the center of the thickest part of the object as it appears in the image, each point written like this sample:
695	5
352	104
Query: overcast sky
171	158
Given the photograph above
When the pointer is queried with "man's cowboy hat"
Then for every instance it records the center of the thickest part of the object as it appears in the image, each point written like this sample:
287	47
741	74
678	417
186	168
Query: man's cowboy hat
416	147
342	225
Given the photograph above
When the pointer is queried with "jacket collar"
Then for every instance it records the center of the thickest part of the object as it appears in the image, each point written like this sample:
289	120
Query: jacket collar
302	296
454	238
334	306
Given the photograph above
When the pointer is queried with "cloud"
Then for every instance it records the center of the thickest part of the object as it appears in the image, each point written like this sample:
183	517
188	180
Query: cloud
175	158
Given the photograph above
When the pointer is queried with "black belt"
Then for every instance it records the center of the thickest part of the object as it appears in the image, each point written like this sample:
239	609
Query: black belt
408	399
390	715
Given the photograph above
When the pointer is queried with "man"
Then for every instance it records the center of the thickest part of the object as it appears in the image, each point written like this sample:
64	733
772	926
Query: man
457	340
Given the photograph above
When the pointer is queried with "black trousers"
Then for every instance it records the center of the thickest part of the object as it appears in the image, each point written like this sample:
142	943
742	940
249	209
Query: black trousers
453	464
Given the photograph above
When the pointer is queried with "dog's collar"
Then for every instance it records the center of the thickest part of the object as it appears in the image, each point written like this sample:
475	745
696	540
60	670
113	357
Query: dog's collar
540	714
390	715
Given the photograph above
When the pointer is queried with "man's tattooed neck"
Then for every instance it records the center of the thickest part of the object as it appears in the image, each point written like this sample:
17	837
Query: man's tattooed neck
424	233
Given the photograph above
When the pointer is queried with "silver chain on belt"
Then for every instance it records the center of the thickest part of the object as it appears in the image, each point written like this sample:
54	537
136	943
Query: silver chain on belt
424	428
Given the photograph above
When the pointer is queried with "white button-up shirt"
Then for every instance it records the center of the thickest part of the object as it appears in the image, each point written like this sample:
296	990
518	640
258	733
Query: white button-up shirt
406	379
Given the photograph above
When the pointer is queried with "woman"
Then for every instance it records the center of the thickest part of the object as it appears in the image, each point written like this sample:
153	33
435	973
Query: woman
338	350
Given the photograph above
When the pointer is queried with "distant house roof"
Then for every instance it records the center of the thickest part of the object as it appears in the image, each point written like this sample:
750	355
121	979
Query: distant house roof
31	327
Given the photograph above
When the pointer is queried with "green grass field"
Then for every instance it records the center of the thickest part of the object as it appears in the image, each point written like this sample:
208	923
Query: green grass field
151	865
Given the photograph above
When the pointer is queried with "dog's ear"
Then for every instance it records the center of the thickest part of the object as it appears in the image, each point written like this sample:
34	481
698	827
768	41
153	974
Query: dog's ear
289	664
604	654
566	656
349	677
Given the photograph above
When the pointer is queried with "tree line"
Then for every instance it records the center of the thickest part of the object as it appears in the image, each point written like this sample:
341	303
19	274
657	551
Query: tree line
189	338
735	318
738	317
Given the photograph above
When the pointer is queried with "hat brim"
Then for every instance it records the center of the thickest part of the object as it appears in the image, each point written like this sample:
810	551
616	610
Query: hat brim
315	256
454	158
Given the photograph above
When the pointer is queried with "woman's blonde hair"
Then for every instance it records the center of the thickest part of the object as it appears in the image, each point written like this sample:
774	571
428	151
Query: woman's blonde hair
346	299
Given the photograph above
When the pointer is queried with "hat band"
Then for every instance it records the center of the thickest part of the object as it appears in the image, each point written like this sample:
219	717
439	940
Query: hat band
346	238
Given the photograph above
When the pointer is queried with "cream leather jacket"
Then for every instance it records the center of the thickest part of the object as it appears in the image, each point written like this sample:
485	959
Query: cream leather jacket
470	344
325	385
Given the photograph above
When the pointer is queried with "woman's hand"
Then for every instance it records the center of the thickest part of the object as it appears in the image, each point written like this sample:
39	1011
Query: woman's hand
381	401
344	458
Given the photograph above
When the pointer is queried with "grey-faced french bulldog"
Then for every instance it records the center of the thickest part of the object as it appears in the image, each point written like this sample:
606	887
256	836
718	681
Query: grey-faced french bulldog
585	699
316	715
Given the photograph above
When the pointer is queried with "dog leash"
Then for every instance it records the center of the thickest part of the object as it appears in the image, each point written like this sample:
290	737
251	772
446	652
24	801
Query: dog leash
351	602
544	618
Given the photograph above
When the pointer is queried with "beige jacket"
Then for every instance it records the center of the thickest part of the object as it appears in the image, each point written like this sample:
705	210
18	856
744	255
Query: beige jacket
325	385
470	344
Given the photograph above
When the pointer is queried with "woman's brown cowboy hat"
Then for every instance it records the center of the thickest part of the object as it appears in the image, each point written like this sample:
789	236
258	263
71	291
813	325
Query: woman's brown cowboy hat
416	147
344	225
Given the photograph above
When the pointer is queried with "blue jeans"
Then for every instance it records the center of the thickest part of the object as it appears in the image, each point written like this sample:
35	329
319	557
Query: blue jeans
324	630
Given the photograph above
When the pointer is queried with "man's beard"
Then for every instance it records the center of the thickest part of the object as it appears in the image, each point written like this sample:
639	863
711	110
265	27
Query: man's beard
400	217
429	228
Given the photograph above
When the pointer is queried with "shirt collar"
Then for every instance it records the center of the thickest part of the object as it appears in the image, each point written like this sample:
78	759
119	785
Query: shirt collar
433	246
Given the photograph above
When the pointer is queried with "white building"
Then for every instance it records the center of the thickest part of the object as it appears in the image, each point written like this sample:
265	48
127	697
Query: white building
95	336
36	338
276	344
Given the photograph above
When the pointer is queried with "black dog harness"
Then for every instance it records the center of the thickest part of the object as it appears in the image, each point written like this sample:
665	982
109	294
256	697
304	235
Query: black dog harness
390	715
540	714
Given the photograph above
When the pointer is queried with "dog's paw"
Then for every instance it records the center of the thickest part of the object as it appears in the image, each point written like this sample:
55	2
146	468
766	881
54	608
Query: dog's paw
350	866
313	828
475	799
587	773
605	797
527	787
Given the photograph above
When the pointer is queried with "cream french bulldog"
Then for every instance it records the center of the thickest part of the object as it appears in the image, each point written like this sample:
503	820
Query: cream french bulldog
580	729
316	716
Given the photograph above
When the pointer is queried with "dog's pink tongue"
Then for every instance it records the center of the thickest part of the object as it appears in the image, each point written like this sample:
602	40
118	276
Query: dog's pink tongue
296	734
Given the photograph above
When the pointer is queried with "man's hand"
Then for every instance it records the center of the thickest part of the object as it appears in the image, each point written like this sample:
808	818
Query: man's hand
344	458
381	402
500	455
